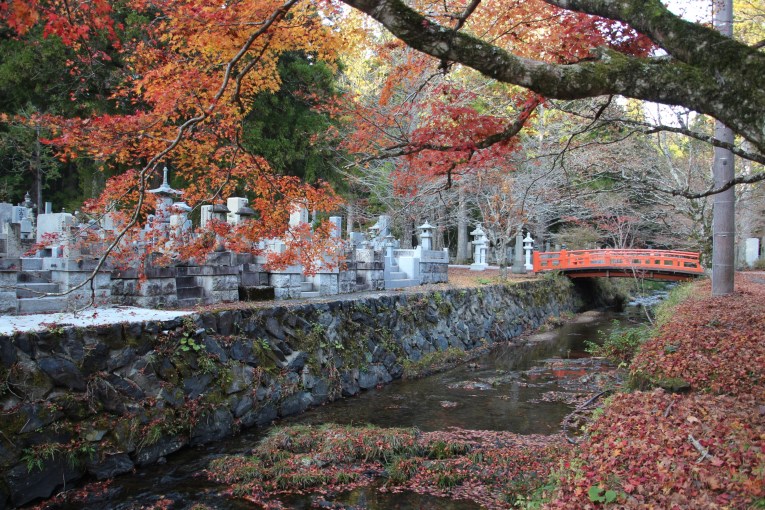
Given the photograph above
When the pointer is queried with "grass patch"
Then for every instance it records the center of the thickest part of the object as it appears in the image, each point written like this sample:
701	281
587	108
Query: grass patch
621	343
433	361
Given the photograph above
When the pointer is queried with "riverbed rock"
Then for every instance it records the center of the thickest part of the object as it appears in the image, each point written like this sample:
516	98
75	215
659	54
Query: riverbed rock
26	485
196	384
126	387
119	358
212	426
296	361
242	377
296	404
241	350
107	396
165	446
109	466
29	380
261	417
373	376
274	328
214	348
242	406
349	385
8	354
96	358
320	391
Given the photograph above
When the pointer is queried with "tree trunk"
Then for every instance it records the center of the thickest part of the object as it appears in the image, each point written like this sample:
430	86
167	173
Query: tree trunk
438	237
463	251
502	260
724	223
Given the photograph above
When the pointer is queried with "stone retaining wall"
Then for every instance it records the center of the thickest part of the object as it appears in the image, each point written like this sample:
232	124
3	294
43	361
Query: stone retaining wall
101	401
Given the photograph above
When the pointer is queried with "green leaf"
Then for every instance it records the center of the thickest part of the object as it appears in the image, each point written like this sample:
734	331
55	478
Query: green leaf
595	494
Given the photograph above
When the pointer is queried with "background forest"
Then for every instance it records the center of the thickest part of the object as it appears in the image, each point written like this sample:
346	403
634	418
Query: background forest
87	100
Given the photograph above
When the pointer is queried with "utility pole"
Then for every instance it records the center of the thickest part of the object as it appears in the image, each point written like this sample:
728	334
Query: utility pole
723	215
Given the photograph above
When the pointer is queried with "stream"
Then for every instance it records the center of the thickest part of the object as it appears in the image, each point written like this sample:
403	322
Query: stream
525	389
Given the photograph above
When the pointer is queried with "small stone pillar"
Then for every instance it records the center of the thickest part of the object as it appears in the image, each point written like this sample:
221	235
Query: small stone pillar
528	245
752	251
219	212
383	222
479	251
298	214
426	235
337	226
518	266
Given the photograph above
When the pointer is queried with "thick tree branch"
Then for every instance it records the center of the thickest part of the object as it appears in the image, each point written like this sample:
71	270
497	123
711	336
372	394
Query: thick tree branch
728	94
688	42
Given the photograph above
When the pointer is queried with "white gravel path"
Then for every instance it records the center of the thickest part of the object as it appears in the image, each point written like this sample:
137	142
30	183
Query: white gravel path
89	317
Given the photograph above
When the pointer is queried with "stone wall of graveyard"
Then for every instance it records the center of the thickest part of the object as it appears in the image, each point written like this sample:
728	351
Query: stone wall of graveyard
102	401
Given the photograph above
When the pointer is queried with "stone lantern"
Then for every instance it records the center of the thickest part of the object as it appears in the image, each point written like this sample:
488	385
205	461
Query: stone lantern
481	246
374	230
389	244
219	212
426	235
27	201
165	196
528	245
245	213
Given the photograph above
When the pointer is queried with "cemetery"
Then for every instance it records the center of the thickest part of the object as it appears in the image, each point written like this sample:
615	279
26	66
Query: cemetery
42	258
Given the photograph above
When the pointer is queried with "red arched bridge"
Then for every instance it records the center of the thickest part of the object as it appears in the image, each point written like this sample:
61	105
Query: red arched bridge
651	264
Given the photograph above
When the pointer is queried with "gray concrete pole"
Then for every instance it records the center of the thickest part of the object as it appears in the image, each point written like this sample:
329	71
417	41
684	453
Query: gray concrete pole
723	216
518	265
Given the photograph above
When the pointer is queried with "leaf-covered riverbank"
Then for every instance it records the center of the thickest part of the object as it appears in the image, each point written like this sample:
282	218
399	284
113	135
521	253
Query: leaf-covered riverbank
704	448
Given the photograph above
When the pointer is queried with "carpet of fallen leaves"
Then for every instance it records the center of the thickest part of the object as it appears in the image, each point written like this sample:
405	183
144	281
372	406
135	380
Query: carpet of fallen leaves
701	449
715	344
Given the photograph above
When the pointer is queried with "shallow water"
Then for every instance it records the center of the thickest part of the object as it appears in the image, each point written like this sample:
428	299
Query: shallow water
501	390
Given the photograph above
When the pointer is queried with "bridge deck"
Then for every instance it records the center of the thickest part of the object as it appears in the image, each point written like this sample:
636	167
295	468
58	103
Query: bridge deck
652	264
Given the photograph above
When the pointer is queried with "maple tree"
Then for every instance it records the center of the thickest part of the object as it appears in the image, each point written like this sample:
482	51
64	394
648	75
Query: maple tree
190	77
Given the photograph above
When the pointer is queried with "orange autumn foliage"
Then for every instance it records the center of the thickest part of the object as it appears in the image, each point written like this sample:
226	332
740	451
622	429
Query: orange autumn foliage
186	87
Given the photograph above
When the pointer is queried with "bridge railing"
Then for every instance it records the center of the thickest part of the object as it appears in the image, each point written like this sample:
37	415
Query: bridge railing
652	260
